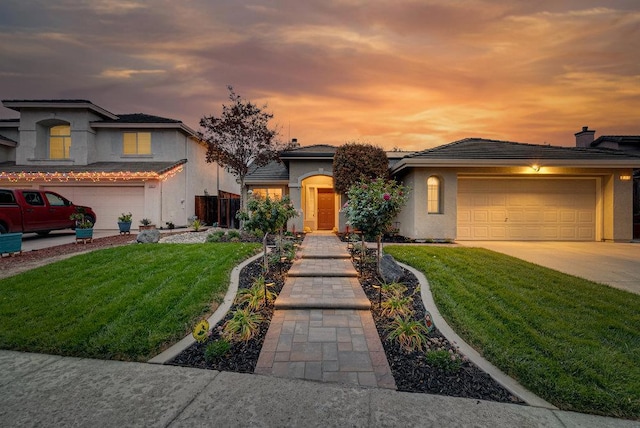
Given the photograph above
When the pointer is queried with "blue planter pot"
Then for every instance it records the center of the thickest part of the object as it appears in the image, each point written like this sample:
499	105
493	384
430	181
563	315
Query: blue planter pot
125	227
10	243
84	235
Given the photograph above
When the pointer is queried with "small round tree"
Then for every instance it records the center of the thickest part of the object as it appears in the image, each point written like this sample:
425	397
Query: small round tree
373	205
356	161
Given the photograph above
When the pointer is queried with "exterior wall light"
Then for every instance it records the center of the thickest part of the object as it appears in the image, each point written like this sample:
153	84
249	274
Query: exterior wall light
625	177
535	167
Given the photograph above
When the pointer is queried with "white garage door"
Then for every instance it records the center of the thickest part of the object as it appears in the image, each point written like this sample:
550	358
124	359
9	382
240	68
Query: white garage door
525	209
107	202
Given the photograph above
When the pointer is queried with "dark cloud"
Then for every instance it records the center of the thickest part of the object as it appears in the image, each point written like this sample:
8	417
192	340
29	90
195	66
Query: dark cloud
406	73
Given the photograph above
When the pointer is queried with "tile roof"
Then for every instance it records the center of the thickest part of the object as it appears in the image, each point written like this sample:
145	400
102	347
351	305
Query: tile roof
273	171
157	167
142	118
479	148
620	139
317	150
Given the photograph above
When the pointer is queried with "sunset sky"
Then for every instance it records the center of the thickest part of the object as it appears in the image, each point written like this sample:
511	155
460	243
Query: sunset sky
405	74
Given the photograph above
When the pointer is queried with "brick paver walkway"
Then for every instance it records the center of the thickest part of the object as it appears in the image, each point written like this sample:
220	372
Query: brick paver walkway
322	328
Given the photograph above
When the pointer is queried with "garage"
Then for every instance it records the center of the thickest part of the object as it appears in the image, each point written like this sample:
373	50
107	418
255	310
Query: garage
108	202
504	209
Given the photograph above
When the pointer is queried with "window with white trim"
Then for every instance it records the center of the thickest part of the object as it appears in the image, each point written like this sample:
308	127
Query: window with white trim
136	143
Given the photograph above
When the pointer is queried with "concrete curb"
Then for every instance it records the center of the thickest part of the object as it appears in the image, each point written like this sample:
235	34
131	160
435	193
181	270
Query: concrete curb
509	383
215	318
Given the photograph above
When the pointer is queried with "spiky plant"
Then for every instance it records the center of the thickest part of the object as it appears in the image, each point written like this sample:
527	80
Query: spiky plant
254	297
410	334
396	305
243	326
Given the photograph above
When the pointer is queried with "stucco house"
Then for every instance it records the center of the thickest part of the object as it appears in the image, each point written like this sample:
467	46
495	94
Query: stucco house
476	189
151	166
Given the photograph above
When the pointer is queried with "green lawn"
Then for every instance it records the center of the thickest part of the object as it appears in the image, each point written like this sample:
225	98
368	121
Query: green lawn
571	341
120	303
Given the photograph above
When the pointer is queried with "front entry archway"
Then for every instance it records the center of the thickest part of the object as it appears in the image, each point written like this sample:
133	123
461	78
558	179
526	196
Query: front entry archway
319	203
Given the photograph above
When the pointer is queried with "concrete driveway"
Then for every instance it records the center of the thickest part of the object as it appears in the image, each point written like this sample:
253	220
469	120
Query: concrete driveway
615	264
33	241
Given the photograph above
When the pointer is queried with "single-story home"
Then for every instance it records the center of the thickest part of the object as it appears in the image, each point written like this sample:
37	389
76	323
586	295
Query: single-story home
151	166
476	189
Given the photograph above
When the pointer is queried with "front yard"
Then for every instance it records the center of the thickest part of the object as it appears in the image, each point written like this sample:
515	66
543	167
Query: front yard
121	303
571	341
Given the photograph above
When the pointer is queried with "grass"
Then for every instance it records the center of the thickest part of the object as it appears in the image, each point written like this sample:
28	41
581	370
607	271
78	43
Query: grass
571	341
124	303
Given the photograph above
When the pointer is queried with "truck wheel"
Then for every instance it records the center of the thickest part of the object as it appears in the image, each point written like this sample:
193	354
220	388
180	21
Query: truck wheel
89	218
2	229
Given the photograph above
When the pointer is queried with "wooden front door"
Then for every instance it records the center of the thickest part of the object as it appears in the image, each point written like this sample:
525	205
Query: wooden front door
326	209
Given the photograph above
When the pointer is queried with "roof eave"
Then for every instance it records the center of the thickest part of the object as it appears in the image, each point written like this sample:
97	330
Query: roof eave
266	182
137	125
479	163
17	105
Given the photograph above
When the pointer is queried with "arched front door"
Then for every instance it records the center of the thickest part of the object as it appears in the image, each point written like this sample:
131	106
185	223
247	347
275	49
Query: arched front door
326	209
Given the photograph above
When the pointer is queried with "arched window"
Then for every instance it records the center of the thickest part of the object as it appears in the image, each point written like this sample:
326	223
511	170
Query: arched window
59	142
434	195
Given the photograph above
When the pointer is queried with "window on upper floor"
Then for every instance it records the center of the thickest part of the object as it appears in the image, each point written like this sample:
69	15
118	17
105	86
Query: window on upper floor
60	142
136	143
275	194
434	195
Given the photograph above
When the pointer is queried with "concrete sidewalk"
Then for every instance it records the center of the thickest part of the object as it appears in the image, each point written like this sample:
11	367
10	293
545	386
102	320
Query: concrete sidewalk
52	391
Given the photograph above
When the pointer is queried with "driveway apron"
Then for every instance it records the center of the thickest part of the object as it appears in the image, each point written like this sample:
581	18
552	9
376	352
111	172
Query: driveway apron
322	328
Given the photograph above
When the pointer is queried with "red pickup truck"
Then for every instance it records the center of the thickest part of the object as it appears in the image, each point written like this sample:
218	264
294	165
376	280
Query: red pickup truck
40	211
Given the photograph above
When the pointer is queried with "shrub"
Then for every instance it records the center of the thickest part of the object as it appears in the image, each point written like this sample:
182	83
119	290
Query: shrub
217	236
446	360
368	160
216	349
372	206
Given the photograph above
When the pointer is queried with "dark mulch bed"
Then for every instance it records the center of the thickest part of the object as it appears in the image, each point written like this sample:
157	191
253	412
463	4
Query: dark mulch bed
243	356
411	370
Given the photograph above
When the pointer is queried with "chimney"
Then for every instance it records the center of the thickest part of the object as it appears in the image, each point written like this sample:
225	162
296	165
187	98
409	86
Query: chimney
584	138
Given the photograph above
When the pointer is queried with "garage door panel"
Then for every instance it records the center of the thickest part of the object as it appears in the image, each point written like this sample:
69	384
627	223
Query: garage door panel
480	216
536	209
498	215
108	202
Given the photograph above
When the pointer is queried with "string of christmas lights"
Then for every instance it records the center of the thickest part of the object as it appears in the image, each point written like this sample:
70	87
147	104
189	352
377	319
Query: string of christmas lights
97	176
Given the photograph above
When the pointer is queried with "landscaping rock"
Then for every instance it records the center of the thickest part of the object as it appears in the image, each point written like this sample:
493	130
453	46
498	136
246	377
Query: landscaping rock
390	270
149	236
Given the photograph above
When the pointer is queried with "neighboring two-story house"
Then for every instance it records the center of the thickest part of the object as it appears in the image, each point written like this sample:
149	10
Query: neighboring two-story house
151	166
476	189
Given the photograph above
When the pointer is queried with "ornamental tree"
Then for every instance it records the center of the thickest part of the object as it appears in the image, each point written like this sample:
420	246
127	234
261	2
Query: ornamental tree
356	161
373	205
267	215
240	137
